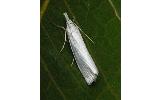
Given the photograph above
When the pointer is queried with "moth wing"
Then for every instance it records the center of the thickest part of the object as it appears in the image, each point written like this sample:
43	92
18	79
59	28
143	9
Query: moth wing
83	65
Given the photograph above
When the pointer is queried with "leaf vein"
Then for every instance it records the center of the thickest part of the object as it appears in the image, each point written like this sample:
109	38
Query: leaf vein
115	10
52	79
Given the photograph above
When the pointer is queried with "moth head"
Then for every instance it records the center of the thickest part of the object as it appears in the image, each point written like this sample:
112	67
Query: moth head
66	16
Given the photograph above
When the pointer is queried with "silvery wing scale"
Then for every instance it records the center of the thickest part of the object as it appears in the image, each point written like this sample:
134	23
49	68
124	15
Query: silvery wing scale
82	57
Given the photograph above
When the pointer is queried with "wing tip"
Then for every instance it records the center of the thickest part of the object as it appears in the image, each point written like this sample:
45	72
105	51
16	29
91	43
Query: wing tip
91	79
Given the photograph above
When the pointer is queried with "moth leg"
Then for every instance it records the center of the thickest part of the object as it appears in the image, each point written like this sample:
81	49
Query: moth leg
65	36
60	27
64	43
85	34
72	62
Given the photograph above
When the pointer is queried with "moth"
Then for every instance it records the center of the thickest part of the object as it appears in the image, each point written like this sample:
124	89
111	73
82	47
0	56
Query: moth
82	57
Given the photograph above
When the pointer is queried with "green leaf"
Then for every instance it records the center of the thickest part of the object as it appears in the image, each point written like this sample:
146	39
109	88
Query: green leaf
100	20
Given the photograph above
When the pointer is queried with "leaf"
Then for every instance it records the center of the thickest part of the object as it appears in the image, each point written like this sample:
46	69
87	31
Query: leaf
100	20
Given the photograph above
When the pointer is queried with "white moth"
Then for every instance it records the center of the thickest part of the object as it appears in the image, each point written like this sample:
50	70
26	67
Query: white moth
82	57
